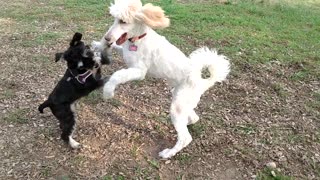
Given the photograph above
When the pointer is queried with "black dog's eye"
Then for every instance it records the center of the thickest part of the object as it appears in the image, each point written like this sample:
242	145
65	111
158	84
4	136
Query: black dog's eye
87	53
122	22
90	54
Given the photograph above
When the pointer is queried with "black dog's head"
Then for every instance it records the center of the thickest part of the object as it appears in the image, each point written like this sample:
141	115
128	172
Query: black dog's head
79	56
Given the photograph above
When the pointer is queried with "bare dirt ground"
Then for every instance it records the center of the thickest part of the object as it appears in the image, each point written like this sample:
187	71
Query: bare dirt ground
255	117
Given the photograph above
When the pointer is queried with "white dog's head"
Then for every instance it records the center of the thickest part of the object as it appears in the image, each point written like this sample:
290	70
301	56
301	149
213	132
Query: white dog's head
132	19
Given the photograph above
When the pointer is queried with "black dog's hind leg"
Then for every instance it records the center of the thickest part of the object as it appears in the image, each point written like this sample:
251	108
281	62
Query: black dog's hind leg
66	117
43	105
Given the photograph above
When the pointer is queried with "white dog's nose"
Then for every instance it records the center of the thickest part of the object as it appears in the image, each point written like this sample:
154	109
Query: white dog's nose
107	39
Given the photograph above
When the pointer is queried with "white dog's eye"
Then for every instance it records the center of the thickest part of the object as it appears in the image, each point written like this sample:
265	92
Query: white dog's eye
122	22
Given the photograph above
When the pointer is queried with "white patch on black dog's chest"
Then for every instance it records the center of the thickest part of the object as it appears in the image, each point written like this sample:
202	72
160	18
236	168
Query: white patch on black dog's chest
80	64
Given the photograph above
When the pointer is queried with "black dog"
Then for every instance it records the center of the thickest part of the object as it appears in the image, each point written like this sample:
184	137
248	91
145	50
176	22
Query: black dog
82	77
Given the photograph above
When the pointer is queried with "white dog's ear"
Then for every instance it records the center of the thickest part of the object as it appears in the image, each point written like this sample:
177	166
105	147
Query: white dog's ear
153	16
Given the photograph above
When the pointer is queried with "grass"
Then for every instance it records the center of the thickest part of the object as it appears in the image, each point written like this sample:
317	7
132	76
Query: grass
78	160
313	104
115	102
154	163
197	129
145	173
46	171
316	100
42	39
93	98
41	58
7	94
163	117
47	133
65	177
17	116
262	33
134	150
118	177
246	129
249	32
271	174
280	90
184	158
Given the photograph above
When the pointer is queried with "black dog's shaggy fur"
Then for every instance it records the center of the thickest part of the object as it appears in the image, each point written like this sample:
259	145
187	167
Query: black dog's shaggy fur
82	77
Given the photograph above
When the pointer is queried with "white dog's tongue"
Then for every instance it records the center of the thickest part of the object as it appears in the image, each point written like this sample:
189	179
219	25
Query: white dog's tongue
122	39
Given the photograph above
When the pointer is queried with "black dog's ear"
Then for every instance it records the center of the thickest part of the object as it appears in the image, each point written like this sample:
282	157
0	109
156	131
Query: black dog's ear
76	39
58	56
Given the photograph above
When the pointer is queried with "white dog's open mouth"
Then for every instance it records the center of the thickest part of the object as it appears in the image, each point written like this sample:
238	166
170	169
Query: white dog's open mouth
122	39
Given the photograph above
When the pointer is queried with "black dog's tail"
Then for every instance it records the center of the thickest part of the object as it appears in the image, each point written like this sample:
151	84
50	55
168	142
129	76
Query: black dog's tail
43	105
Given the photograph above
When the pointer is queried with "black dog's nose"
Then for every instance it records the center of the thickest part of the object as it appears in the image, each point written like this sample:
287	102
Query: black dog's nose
107	39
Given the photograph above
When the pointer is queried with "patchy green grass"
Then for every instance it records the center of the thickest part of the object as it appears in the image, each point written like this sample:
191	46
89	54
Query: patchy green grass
41	39
246	129
7	94
65	177
18	116
163	118
283	35
94	98
251	32
245	31
271	174
42	58
197	129
118	177
154	163
184	158
78	160
46	171
316	100
115	102
145	173
280	90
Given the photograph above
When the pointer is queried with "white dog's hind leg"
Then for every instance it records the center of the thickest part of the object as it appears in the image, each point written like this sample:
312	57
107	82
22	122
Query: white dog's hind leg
193	117
179	119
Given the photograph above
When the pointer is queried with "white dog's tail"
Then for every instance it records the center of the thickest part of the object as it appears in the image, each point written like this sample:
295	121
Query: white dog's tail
217	65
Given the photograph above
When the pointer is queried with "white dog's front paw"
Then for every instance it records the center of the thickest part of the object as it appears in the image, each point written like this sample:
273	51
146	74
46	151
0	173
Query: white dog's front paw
167	153
96	46
108	92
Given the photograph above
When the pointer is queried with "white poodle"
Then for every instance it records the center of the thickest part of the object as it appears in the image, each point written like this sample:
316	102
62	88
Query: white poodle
147	53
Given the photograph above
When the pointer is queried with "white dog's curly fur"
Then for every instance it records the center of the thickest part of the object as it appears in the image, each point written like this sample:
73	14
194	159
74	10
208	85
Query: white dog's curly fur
148	53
